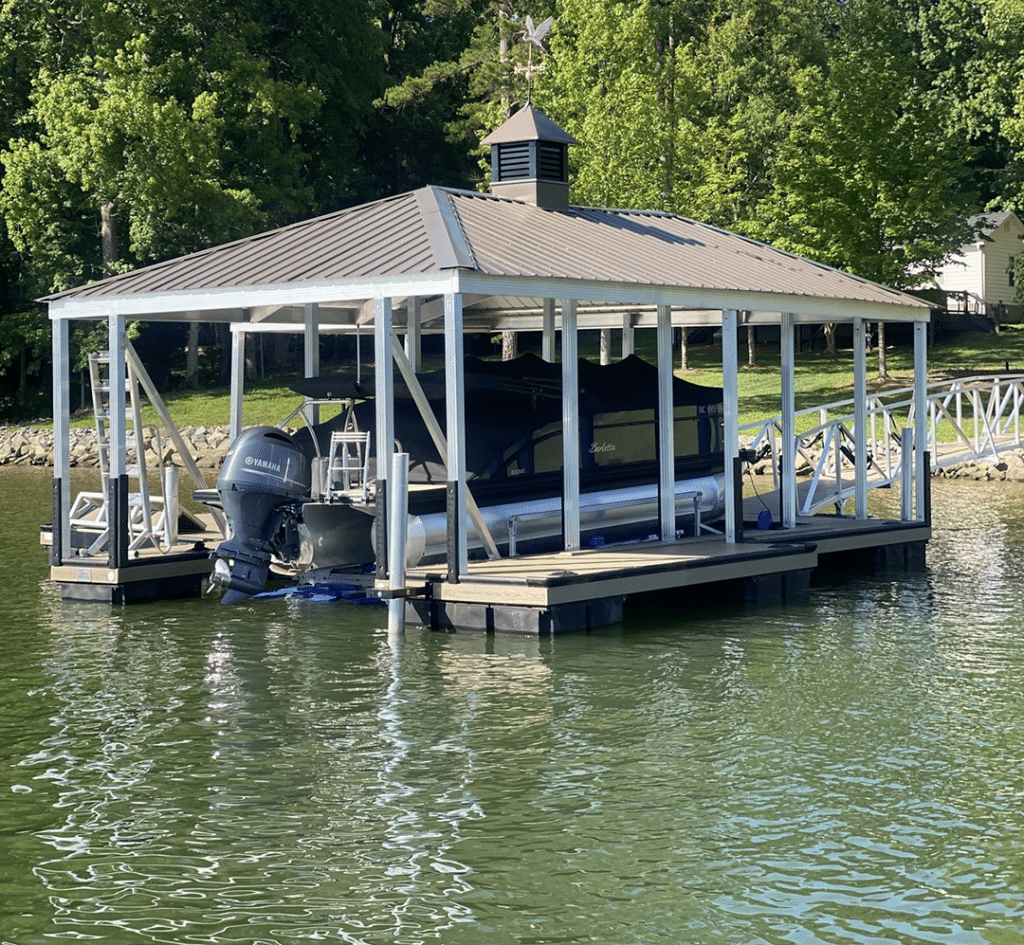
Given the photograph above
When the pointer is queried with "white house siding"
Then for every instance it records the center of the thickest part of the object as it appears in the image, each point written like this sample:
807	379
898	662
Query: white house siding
963	273
1005	243
982	269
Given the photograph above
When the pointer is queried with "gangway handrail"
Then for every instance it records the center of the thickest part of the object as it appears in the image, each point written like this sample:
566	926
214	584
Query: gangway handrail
982	411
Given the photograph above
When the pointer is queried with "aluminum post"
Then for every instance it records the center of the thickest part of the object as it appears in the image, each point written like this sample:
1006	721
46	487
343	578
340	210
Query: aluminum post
384	382
398	516
860	419
666	427
787	475
413	333
730	422
60	550
311	349
455	404
237	379
117	466
570	428
547	350
627	335
920	417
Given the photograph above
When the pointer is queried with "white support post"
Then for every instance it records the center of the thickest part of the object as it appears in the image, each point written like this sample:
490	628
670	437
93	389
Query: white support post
730	422
117	482
788	459
237	378
398	516
666	427
118	402
570	427
860	419
920	416
311	349
413	334
384	382
627	335
61	550
455	404
547	349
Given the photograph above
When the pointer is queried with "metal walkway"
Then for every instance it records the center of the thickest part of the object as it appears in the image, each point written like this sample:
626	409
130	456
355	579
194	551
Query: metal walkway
968	418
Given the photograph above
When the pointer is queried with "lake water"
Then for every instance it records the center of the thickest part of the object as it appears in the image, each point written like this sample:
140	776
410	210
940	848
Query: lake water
845	770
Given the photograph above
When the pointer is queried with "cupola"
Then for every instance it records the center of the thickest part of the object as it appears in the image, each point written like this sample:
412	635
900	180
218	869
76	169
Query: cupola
530	159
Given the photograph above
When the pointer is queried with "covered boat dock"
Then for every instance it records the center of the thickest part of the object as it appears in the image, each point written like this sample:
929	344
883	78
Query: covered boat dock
452	262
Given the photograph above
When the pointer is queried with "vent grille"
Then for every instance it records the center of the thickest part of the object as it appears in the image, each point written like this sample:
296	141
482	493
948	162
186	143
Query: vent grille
551	160
513	161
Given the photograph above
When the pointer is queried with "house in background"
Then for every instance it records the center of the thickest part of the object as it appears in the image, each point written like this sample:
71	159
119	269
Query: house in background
978	282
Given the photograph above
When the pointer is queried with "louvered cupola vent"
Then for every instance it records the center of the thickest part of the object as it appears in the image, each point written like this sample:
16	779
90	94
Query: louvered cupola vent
530	160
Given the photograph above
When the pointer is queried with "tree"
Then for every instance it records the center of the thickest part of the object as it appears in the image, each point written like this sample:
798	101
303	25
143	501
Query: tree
153	130
869	179
682	105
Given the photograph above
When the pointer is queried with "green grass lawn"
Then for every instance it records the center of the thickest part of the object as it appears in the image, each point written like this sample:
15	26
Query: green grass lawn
819	380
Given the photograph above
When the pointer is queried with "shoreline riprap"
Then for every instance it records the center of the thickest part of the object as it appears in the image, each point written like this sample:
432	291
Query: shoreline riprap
33	446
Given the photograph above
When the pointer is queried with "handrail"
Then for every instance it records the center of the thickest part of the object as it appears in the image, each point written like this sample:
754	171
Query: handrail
978	417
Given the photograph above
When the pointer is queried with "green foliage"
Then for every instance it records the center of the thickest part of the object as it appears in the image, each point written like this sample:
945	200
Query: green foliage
869	179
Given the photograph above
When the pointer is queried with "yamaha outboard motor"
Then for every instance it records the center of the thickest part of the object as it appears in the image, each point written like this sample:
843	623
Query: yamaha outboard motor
262	485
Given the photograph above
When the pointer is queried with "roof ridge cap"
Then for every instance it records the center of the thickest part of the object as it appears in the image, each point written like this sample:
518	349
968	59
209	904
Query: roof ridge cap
441	221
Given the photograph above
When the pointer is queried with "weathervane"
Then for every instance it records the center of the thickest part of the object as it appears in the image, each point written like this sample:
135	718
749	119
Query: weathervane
534	36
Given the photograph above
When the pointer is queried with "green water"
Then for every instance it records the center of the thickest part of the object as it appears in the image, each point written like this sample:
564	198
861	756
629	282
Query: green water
846	770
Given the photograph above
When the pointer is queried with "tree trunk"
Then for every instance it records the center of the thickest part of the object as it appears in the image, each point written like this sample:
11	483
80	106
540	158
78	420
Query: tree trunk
883	368
606	346
830	340
509	345
108	233
683	346
751	346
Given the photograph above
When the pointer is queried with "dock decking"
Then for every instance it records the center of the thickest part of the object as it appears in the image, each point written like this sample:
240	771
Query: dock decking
550	593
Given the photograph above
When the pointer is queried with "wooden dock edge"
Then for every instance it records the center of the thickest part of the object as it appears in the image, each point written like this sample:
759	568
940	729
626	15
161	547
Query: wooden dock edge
167	577
756	573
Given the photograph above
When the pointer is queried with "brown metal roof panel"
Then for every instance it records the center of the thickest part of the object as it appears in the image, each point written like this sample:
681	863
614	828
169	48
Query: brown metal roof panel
386	237
642	247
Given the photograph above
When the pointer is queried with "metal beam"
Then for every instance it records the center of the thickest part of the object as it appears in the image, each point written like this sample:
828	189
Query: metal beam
117	463
860	419
176	305
920	417
570	428
439	440
787	475
666	428
237	380
413	334
384	382
455	403
730	422
61	549
548	331
311	349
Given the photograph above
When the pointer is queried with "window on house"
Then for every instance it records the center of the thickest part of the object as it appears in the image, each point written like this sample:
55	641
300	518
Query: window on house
1013	271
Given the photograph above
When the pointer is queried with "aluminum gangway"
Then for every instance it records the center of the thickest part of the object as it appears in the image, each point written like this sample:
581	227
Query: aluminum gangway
969	418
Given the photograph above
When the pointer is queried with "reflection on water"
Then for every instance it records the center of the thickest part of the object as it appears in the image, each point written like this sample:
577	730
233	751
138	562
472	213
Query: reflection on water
844	770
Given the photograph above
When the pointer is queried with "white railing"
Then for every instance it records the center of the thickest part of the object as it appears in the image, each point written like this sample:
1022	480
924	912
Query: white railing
968	418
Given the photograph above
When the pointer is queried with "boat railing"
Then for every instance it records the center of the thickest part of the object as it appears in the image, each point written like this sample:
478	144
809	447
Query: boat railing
512	522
